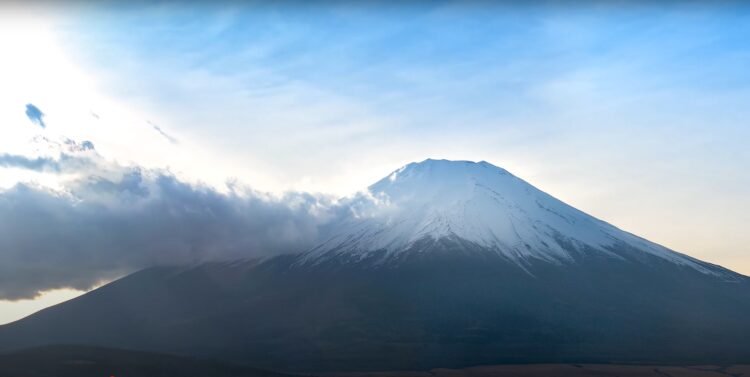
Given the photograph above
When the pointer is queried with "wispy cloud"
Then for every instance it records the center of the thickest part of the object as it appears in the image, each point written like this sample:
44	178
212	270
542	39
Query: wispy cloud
161	132
23	162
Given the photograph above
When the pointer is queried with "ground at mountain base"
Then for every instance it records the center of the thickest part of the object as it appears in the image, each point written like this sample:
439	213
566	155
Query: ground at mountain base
570	370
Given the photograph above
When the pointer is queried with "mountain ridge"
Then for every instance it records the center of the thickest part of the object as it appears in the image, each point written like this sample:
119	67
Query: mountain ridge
484	204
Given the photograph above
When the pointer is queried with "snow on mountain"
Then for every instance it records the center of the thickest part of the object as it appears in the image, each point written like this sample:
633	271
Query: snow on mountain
480	203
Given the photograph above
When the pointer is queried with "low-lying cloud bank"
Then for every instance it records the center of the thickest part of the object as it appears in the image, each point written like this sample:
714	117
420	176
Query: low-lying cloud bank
111	220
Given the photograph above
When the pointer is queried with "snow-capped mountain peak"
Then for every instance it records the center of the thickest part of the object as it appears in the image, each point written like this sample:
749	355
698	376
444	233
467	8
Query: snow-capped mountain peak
483	205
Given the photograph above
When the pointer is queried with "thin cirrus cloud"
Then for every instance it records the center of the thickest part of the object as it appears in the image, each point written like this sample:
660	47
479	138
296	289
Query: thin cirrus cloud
161	132
307	92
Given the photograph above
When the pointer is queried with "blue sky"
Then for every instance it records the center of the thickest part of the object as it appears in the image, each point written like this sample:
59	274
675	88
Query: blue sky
633	112
299	77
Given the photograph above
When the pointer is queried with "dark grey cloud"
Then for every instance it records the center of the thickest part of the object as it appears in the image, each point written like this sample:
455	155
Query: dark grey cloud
104	226
128	188
108	220
35	115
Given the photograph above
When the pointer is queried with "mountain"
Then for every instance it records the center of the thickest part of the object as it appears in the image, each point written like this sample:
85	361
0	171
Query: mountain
441	264
486	206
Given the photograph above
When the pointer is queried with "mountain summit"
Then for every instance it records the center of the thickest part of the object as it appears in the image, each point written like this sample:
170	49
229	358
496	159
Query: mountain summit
485	206
441	264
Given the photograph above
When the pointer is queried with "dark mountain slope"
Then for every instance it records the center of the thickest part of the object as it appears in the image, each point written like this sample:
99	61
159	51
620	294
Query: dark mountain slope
436	312
77	361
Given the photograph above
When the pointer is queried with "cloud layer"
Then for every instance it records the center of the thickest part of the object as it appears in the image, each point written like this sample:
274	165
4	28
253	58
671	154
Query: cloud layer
113	220
36	164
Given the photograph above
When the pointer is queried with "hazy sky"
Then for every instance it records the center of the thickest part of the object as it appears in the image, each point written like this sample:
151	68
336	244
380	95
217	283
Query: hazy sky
637	114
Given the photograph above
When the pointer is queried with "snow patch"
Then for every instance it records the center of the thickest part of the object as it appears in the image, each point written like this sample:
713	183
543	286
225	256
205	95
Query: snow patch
481	203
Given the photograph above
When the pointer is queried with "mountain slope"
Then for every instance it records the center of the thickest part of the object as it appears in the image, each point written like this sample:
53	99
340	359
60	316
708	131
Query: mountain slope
73	361
483	204
427	276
